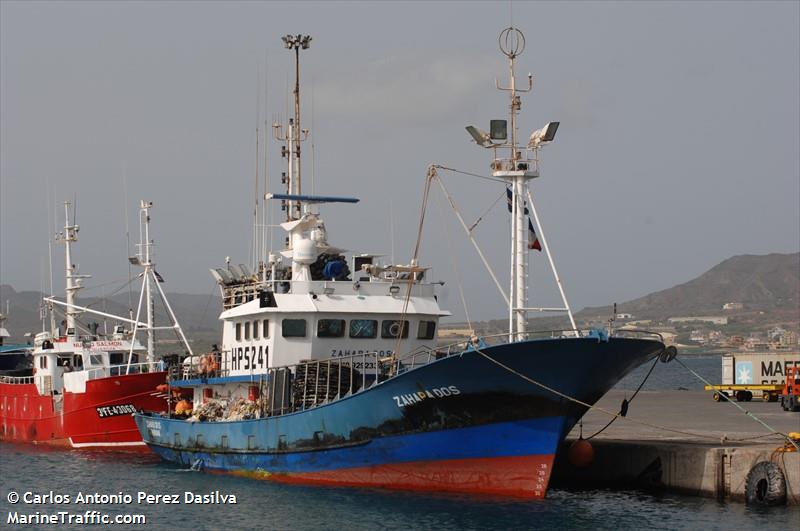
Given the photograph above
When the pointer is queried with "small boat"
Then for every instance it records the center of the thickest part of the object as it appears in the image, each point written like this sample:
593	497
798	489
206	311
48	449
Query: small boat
329	370
84	386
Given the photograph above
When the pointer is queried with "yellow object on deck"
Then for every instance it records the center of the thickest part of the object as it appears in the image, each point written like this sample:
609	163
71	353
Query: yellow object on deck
745	387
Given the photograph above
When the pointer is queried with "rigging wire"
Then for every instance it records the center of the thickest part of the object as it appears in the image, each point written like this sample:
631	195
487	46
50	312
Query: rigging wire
412	276
480	218
459	282
208	302
470	236
484	177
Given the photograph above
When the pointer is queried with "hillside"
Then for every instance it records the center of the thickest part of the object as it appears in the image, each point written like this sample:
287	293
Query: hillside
762	283
196	313
769	283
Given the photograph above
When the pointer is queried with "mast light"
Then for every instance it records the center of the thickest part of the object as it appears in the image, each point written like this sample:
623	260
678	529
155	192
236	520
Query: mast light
544	135
481	138
498	129
296	41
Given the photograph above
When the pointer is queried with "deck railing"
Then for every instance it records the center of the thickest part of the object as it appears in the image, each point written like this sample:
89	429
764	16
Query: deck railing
16	380
122	369
313	383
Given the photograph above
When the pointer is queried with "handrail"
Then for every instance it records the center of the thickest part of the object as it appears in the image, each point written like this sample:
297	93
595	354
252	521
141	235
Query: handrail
121	369
16	380
312	383
502	337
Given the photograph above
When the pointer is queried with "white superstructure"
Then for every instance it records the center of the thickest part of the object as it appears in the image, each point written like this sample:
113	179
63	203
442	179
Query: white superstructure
311	301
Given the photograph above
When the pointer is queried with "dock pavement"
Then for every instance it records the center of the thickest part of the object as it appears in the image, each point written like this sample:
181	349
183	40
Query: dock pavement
709	452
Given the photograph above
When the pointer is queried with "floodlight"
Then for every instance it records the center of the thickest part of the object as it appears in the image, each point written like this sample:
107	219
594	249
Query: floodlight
544	135
481	137
498	129
296	41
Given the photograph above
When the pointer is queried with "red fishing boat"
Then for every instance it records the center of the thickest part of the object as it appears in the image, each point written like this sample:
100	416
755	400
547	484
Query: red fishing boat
84	386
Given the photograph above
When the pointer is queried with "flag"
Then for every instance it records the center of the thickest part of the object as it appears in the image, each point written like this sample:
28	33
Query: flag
158	277
510	201
533	241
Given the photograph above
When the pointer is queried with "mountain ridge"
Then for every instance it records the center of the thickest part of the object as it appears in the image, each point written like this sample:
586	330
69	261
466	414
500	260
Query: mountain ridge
767	283
759	282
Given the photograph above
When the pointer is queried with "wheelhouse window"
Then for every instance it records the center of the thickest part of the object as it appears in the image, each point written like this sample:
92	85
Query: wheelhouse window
363	328
96	359
293	327
330	328
255	329
247	330
393	329
265	323
43	362
427	330
238	331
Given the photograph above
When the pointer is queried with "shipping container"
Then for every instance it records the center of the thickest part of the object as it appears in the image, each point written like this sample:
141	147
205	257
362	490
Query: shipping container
768	367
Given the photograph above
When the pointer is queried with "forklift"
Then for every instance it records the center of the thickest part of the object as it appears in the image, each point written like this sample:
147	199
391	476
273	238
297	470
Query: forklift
790	396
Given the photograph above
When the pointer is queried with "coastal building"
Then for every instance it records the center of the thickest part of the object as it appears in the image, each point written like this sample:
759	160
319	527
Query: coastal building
717	320
697	336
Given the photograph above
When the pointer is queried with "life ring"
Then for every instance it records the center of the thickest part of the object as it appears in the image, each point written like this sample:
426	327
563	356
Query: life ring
394	329
765	485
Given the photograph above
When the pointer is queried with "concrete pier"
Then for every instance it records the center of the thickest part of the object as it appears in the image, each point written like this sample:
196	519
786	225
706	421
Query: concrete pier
710	460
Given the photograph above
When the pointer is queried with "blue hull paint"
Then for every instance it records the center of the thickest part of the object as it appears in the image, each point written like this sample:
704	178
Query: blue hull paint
507	439
494	413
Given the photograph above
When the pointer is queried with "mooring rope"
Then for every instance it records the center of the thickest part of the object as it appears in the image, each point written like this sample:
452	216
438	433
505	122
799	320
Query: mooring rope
624	409
610	413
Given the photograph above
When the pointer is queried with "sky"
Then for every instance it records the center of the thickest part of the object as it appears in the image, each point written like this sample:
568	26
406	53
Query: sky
678	144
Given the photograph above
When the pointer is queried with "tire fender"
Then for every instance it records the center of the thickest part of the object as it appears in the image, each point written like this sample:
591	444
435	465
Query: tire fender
765	485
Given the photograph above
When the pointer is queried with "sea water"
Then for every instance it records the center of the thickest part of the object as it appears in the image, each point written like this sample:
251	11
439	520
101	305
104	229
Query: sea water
267	505
158	491
674	376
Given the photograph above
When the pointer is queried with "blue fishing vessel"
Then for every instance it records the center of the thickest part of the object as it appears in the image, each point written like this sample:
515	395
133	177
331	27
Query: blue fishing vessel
330	371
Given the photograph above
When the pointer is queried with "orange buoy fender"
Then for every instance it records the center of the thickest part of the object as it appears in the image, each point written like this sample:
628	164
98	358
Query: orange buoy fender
581	453
162	388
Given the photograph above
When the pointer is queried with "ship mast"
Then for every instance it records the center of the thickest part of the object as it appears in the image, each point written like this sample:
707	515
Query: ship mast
512	44
150	279
521	166
73	279
294	134
145	246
